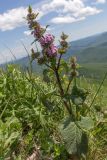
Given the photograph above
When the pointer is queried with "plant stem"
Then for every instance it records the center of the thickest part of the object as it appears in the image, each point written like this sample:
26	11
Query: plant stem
62	91
58	65
69	85
48	66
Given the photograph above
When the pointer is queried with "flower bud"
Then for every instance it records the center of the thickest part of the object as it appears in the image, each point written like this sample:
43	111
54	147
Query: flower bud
73	66
41	60
64	44
64	36
61	51
74	73
73	59
30	9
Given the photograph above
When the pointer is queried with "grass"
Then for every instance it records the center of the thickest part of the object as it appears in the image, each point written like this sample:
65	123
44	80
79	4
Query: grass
94	70
30	112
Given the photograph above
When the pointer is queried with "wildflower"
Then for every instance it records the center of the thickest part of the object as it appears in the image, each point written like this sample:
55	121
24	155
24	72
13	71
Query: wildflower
37	32
64	36
61	50
63	44
74	65
46	40
74	73
51	51
73	59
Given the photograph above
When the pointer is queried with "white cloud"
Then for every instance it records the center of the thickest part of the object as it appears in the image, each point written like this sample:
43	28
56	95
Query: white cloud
71	10
14	18
27	33
87	11
66	19
101	1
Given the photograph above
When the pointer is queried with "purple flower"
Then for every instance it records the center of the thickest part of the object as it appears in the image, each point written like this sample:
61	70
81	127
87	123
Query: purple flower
51	51
46	40
37	33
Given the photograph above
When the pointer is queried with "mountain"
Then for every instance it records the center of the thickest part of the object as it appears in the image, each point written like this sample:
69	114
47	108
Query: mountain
97	53
90	49
91	52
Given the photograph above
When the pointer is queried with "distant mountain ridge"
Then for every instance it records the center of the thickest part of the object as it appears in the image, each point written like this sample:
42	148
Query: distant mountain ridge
91	49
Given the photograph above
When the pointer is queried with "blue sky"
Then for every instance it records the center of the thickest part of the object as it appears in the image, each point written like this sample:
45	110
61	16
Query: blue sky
78	18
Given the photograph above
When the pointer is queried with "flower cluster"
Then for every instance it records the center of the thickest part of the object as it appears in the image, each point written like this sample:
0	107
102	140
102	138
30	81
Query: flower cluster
48	45
51	51
37	32
74	67
63	44
46	41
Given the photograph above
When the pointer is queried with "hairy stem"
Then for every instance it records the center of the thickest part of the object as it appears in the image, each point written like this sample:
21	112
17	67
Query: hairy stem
69	85
62	91
59	60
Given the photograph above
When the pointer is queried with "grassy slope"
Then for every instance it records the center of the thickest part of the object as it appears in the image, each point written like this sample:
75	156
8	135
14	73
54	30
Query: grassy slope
24	116
94	70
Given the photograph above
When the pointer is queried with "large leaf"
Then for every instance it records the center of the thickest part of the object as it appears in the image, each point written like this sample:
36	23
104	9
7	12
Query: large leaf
78	95
86	123
76	141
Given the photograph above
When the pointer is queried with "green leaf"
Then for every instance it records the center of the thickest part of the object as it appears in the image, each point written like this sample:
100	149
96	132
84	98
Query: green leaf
76	141
46	75
48	104
1	95
78	95
86	123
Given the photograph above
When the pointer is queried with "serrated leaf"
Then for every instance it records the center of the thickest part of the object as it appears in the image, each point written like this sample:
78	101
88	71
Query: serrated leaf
76	141
86	123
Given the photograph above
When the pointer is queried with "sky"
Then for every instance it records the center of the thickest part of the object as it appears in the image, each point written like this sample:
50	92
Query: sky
77	18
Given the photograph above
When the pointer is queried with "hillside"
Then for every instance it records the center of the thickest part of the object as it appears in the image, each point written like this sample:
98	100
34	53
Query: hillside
90	51
97	53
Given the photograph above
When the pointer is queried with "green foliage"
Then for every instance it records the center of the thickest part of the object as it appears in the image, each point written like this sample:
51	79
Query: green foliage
75	135
76	141
10	132
78	95
86	123
31	110
34	111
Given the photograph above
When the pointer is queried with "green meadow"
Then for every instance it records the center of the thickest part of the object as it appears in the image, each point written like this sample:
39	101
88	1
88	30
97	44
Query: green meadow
30	112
